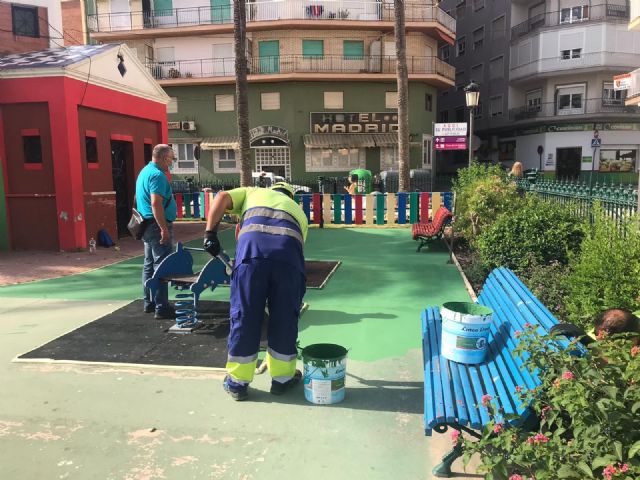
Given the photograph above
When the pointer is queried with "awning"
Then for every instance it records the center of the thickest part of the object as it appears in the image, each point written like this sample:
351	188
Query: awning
218	143
350	140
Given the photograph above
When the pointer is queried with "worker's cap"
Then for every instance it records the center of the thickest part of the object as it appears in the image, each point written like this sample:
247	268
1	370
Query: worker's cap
283	187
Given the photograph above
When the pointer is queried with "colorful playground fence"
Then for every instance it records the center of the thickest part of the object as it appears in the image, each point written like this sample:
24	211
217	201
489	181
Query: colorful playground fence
343	209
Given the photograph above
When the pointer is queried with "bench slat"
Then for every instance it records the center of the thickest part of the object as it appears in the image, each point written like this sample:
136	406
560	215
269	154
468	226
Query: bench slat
469	399
429	416
461	406
445	374
434	362
479	391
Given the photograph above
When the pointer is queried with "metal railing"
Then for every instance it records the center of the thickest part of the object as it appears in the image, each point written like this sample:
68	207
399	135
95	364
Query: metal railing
269	10
594	13
573	61
618	201
273	65
585	107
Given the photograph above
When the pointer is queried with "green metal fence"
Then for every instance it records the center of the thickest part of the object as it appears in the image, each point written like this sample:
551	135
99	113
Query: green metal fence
619	201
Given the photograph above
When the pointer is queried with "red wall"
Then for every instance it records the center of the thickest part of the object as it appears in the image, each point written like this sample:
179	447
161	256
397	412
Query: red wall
30	194
9	43
100	209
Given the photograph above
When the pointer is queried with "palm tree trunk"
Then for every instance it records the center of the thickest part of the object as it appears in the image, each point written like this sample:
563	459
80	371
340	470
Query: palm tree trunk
242	89
403	97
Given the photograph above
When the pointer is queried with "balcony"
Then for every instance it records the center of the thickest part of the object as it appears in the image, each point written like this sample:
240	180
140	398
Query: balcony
594	106
569	17
322	13
304	67
560	64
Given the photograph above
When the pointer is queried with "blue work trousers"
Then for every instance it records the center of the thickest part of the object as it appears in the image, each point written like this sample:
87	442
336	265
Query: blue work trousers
154	253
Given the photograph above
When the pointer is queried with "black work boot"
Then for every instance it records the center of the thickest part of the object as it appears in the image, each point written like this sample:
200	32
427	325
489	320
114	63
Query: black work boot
278	388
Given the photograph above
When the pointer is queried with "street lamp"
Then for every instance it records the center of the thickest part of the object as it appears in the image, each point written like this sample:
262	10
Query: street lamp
472	94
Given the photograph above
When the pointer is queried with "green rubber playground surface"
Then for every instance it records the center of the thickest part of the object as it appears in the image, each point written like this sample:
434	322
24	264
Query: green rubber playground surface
371	305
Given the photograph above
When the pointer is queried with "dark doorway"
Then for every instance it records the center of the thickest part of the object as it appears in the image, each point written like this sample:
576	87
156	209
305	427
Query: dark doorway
123	182
568	162
146	13
275	169
148	151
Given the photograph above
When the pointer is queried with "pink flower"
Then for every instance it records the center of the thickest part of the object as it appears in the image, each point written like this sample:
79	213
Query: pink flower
518	388
567	376
609	471
497	428
543	412
538	438
515	476
517	333
486	398
455	436
635	351
623	467
528	325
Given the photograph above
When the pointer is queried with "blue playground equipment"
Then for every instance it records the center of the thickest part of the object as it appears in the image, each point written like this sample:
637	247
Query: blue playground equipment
177	270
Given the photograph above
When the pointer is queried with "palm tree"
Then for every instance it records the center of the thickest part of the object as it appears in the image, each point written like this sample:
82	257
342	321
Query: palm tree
403	100
242	89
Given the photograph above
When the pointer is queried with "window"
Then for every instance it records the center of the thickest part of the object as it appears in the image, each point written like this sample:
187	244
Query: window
478	38
25	21
534	100
225	161
388	158
461	9
172	106
459	114
477	72
461	46
495	107
312	48
622	160
334	159
166	55
574	14
225	103
91	149
444	116
570	99
333	100
498	27
444	53
611	96
460	83
478	5
428	102
353	49
572	53
185	159
391	100
496	67
162	8
32	147
270	101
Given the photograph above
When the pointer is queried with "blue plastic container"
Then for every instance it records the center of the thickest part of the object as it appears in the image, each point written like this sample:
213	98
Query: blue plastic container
465	331
325	365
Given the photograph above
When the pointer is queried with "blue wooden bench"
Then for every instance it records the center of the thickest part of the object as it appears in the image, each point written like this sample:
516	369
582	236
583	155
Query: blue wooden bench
453	391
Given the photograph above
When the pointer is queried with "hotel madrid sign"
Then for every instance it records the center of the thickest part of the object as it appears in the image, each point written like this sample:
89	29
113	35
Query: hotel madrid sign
355	122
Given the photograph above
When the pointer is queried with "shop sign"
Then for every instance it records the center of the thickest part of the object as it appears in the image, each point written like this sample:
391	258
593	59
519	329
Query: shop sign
173	126
622	82
354	122
450	129
269	131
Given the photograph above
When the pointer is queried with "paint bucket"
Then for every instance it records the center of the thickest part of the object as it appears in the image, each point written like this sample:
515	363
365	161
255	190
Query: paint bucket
325	365
465	331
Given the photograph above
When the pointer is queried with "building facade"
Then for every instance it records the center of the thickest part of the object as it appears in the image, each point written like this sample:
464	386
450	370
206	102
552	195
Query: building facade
29	26
560	111
322	80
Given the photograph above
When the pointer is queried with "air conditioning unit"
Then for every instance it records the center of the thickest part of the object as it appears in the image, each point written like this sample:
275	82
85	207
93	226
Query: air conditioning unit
188	126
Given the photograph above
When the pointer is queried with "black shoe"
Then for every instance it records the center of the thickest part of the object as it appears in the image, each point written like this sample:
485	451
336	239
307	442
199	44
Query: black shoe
238	393
149	308
165	314
278	388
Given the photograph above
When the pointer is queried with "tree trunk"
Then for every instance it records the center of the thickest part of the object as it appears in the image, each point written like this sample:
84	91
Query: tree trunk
403	97
242	89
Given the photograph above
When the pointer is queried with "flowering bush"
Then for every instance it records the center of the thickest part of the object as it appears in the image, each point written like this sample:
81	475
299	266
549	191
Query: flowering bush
586	419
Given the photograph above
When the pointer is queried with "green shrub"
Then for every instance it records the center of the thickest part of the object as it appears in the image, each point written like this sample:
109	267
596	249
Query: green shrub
589	411
549	284
534	233
482	193
606	273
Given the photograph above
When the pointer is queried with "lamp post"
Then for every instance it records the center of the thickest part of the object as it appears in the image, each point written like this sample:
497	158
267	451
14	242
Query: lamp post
472	94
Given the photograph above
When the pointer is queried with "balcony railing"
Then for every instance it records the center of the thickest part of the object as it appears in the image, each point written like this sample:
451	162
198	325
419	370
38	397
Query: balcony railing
600	106
225	67
561	63
594	13
268	10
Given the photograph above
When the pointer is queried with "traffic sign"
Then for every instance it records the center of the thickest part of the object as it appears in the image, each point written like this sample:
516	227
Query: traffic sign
451	140
451	146
596	142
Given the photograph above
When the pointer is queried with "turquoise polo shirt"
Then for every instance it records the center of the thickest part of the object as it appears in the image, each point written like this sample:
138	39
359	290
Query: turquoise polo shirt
153	180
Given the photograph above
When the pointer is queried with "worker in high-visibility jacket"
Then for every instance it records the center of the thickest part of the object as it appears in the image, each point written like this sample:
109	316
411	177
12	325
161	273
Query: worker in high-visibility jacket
268	270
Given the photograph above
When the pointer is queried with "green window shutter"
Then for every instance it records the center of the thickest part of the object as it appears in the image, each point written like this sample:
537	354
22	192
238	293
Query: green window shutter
163	8
91	7
312	48
353	49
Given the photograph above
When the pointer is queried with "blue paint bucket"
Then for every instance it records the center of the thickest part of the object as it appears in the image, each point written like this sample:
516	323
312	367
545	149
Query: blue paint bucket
465	331
325	365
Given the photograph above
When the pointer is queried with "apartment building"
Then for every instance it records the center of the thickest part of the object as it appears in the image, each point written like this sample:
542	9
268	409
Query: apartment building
559	95
30	25
322	81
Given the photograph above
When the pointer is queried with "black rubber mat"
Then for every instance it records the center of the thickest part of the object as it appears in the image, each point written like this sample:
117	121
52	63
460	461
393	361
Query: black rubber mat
128	335
318	272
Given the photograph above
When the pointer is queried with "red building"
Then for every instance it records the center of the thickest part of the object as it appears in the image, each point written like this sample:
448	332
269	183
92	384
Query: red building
75	129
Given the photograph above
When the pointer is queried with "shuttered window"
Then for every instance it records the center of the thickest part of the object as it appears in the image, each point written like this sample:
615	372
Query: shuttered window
353	50
333	100
312	48
163	8
225	103
270	101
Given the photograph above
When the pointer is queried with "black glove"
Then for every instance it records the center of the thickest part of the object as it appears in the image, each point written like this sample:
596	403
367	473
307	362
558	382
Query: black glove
211	243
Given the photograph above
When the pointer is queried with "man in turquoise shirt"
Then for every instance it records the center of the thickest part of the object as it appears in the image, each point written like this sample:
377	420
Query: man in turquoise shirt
155	202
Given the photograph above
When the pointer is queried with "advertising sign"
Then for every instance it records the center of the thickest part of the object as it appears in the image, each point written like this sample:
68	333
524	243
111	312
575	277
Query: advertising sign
450	143
622	82
450	129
